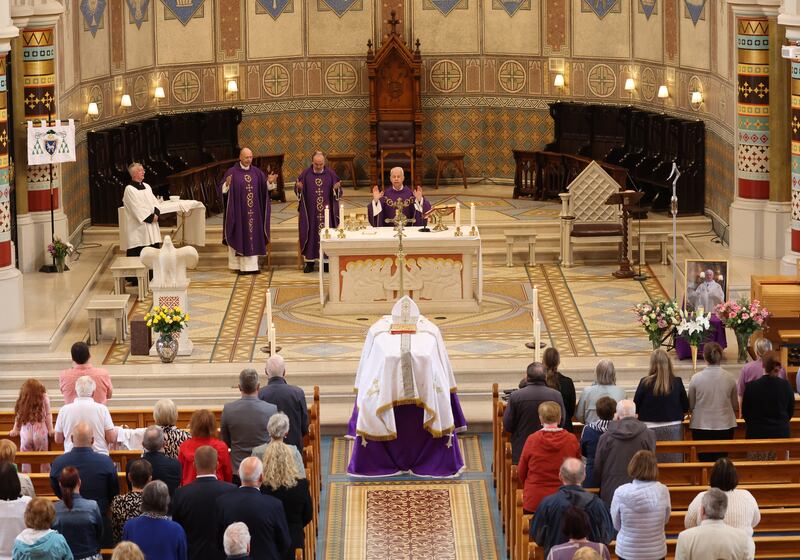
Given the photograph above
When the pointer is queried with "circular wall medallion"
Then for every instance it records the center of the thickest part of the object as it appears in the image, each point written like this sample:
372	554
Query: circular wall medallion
140	92
511	76
275	80
648	84
446	76
185	87
341	77
602	80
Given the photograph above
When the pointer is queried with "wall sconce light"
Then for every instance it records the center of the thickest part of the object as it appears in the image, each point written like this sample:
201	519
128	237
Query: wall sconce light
559	81
159	93
232	87
663	92
92	109
630	85
696	99
125	101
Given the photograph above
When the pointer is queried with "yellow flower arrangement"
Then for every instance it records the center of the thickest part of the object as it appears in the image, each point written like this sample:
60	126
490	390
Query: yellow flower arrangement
166	320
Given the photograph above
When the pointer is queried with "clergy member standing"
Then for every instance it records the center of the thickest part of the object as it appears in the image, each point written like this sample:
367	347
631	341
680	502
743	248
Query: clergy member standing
141	213
245	229
316	187
380	212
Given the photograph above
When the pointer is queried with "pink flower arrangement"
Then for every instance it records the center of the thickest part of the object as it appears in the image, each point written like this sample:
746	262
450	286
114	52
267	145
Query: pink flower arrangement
657	318
743	315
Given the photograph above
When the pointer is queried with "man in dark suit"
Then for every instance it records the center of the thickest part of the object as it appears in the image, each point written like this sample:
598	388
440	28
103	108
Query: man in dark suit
244	422
97	471
194	506
521	417
289	399
165	469
263	515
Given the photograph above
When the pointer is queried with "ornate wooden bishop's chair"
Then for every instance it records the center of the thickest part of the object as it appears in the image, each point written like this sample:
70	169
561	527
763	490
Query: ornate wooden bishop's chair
585	217
395	107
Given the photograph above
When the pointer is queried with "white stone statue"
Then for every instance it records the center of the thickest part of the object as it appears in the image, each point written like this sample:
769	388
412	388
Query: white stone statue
169	264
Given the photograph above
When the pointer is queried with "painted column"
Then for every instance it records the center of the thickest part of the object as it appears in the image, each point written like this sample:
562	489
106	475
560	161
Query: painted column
752	42
790	18
795	154
6	251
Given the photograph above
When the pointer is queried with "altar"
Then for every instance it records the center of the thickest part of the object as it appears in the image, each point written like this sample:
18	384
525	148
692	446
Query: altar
443	273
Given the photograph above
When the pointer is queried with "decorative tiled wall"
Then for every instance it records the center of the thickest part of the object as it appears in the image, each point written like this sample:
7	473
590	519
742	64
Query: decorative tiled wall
720	178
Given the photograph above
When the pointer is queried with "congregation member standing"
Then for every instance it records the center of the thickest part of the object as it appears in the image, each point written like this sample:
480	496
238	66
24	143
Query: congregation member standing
755	369
103	389
159	537
164	468
521	417
768	405
605	409
78	518
84	409
662	403
165	415
141	215
244	421
289	399
317	186
33	421
246	215
380	211
12	508
38	541
605	385
195	508
713	538
561	383
625	436
203	429
129	505
713	401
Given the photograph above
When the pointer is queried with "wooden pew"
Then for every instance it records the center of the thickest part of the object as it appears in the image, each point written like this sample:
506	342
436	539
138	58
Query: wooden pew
37	458
773	520
690	448
750	472
41	484
766	547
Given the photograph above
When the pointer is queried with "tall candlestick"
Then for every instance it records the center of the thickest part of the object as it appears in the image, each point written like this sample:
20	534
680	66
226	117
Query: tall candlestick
458	214
472	221
537	333
272	345
327	217
269	310
341	215
535	304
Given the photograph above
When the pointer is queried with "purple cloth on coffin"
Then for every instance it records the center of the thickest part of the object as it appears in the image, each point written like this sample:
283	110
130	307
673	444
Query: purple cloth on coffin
414	451
717	334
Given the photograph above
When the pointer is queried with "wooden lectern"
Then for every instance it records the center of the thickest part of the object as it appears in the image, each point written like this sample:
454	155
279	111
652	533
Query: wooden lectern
628	200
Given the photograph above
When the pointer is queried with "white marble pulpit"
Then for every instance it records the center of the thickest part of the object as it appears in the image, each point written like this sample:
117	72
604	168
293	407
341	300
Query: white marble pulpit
443	273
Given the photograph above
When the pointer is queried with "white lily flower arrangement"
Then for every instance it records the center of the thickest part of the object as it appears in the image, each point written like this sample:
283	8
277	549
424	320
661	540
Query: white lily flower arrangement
694	326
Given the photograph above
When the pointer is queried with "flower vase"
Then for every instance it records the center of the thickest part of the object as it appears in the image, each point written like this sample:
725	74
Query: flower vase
694	357
655	340
742	338
59	264
167	347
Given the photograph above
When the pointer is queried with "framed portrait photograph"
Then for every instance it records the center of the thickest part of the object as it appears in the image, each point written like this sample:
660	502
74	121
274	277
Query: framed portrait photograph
706	284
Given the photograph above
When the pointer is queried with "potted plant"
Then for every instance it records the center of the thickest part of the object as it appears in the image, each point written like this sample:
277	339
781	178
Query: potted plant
168	322
694	326
59	251
658	319
744	317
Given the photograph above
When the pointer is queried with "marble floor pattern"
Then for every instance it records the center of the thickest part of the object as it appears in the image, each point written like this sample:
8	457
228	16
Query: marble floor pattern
583	314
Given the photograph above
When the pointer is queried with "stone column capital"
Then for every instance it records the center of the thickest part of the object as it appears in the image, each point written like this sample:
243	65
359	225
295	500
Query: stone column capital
45	14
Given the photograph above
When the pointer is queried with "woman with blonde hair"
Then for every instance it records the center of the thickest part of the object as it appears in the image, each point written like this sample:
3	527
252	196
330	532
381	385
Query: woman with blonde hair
165	414
8	452
661	402
126	550
282	480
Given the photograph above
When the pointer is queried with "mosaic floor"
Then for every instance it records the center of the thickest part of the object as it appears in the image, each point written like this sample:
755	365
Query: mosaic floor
400	518
585	313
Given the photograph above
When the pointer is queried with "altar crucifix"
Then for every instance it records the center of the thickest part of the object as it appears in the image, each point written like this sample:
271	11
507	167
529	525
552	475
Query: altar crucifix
400	220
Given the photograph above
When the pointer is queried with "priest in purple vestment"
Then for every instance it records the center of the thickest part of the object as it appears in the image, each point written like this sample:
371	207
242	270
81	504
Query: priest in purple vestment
317	187
245	218
381	211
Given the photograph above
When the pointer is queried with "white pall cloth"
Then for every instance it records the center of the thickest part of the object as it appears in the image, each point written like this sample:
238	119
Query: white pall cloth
403	369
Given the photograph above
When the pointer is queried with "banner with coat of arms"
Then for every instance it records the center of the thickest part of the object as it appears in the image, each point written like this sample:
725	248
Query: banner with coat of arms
51	144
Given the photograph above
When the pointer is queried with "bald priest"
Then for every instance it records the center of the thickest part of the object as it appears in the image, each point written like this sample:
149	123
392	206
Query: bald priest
382	210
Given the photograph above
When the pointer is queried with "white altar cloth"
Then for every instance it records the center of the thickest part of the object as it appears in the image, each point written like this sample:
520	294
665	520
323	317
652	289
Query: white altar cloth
191	228
441	274
383	383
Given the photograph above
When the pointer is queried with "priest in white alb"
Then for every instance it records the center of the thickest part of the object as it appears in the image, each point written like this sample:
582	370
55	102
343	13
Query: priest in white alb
141	214
407	412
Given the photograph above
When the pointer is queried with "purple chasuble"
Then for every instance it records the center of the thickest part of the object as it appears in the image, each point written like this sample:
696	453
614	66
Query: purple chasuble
415	450
387	212
246	211
317	192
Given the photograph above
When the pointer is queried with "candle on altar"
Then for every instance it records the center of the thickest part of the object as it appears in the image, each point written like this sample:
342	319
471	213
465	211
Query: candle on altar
341	215
472	220
458	214
327	217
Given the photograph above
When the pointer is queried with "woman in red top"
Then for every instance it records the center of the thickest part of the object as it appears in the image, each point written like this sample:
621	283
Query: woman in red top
542	455
203	429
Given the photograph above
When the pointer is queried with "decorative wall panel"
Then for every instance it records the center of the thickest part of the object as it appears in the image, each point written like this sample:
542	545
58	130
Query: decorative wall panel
796	156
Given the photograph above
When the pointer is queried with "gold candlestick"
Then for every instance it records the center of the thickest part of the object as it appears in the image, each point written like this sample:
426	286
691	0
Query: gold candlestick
458	232
340	233
473	231
326	233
